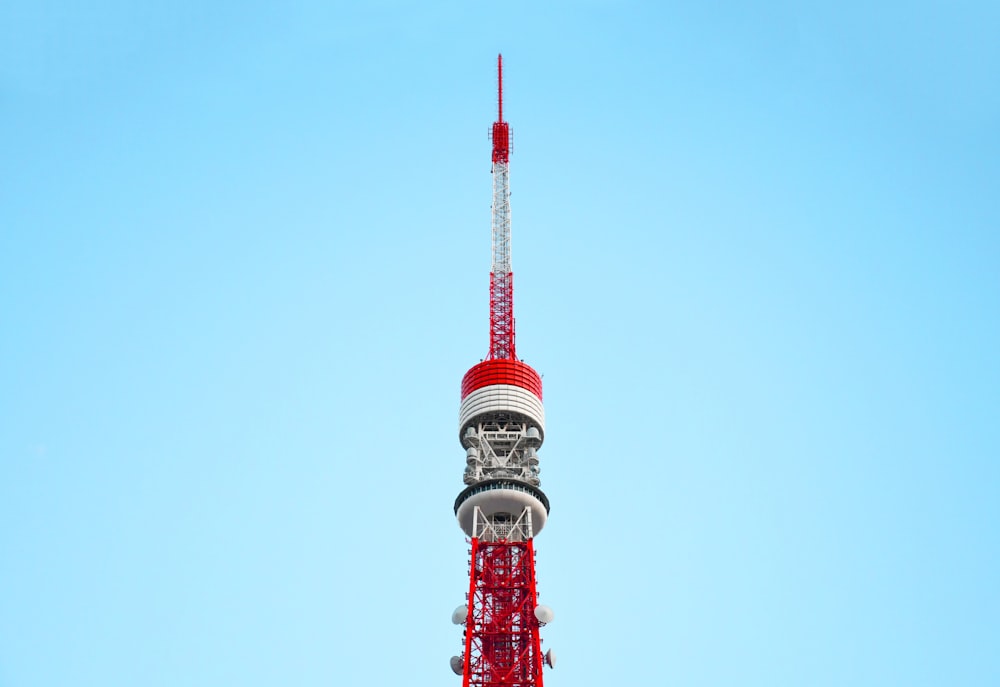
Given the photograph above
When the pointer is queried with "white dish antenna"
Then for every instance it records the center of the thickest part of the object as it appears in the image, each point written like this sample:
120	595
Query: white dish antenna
457	664
459	615
544	614
550	658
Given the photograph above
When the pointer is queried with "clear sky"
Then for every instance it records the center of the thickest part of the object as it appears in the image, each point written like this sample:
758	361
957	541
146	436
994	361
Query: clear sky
243	266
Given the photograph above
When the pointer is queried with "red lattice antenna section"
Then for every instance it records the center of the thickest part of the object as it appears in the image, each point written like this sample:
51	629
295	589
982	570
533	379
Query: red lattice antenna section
501	130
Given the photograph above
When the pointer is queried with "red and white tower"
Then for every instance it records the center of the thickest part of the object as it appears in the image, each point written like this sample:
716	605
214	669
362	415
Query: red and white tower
501	425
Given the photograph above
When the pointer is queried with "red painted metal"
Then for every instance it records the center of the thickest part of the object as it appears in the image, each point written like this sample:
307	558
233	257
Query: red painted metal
503	647
499	88
469	619
501	130
513	372
502	316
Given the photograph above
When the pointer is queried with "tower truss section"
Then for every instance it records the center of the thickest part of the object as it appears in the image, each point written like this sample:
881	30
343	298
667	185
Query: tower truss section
502	508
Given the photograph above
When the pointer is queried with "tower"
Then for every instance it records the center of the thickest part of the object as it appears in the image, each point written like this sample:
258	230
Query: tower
501	426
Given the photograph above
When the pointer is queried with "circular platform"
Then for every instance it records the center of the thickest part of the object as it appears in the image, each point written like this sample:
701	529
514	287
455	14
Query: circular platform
499	496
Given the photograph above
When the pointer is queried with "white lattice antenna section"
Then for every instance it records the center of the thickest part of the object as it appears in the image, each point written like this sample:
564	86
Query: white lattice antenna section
501	219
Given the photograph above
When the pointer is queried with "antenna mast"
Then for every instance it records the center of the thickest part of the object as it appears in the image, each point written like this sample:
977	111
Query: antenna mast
501	426
501	276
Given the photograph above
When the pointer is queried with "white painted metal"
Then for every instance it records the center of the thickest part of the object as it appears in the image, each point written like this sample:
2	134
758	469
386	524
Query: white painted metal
502	527
501	398
502	426
501	218
502	510
544	614
501	449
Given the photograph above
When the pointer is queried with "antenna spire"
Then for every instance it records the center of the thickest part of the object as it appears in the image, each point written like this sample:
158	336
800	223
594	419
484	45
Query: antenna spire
499	88
501	131
501	274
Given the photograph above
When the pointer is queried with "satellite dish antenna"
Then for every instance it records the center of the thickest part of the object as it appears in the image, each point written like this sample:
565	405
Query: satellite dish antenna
544	614
457	664
460	614
550	658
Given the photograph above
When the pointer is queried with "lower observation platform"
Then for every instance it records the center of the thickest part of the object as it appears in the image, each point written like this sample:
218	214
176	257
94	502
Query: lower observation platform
501	497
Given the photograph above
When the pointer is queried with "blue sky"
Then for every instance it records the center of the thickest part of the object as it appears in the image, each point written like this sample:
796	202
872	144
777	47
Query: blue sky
243	266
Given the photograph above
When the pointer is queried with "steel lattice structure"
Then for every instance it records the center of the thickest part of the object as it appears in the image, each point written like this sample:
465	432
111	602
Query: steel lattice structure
501	427
501	274
503	646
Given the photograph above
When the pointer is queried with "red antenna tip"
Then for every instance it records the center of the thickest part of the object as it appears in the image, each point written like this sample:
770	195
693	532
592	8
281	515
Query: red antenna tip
501	132
499	87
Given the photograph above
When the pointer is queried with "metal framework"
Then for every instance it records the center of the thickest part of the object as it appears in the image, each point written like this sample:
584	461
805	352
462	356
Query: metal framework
501	275
502	645
501	428
501	446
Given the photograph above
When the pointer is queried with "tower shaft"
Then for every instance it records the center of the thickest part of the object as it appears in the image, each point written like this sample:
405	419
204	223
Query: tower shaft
501	426
502	643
